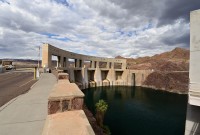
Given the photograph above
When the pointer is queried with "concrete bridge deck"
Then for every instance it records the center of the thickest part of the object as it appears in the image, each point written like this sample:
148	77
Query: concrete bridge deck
26	114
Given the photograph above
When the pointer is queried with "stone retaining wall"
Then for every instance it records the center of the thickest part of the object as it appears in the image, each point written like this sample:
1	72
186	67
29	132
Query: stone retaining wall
65	104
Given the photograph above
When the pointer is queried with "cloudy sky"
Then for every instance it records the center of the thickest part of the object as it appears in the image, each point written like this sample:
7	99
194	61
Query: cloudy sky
105	28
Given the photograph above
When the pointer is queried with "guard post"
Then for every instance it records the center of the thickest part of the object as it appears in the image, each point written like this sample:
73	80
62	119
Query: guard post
35	70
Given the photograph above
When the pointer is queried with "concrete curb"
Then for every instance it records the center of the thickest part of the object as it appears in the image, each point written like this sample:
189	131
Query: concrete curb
36	82
8	103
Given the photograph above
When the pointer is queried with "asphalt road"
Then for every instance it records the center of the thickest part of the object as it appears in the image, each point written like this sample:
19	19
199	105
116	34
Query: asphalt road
14	83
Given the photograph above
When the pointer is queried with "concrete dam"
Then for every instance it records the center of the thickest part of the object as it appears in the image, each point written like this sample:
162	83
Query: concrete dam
90	71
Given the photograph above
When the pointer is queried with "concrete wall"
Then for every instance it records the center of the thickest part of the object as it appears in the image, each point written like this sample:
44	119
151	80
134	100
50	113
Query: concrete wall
63	56
192	126
194	89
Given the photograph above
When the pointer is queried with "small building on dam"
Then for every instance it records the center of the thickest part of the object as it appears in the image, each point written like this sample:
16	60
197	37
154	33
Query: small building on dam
90	71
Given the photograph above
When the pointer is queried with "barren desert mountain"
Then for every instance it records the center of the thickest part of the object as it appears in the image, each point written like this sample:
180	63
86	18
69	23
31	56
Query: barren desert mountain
119	57
170	70
175	60
176	54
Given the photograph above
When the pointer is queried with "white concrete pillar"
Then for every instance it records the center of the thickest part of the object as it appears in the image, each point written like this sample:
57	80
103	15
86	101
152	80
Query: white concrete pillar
97	64
111	76
194	74
112	65
108	65
92	64
97	77
58	60
85	77
123	65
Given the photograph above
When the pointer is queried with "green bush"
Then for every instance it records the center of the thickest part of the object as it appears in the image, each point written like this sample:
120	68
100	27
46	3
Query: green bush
101	106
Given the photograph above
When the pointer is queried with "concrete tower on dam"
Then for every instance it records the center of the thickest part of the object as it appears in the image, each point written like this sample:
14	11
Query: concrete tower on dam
192	126
89	71
194	89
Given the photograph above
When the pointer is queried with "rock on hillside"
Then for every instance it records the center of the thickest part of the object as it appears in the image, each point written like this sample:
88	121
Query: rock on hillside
171	81
166	66
175	60
176	54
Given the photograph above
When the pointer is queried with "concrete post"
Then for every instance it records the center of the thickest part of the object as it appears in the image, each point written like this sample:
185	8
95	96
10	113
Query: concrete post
92	64
108	65
46	56
111	76
97	77
71	75
112	65
67	63
58	61
85	77
123	65
77	63
81	63
34	75
97	64
61	61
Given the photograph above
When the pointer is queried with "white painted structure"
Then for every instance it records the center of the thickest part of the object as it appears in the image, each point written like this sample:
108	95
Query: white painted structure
192	125
194	88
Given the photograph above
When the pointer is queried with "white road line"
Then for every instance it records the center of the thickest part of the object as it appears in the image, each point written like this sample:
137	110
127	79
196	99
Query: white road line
25	83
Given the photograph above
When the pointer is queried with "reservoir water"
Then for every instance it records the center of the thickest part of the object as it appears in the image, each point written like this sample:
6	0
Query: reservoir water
140	111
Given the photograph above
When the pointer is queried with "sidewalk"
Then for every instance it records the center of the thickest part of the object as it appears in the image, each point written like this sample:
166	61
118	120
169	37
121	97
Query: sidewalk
26	114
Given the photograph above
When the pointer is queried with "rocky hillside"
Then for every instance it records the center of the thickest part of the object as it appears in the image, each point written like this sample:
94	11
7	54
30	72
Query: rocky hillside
170	70
176	82
175	60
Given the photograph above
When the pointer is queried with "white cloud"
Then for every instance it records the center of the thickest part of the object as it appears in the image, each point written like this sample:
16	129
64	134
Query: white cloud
99	27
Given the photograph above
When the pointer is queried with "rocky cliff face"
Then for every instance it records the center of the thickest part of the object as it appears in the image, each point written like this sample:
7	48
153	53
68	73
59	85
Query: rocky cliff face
176	82
171	70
